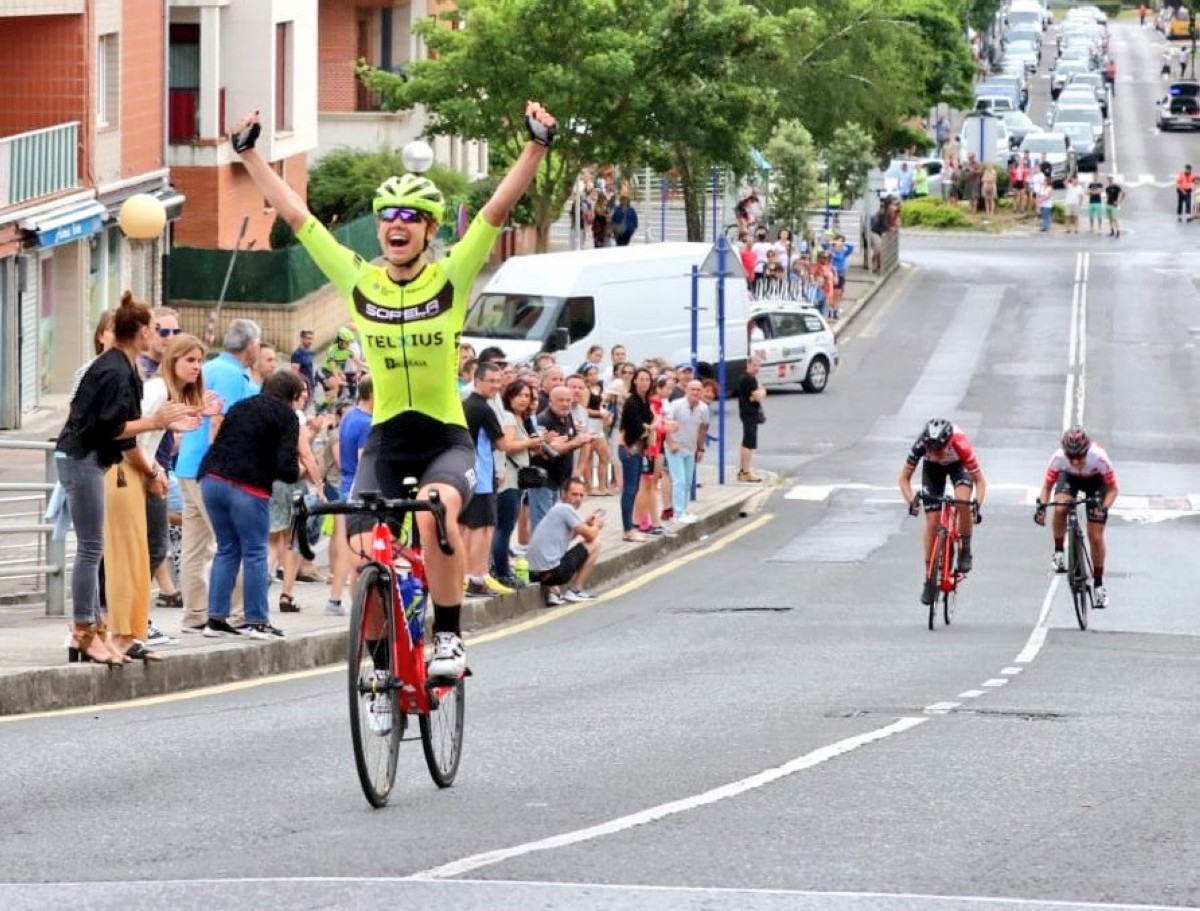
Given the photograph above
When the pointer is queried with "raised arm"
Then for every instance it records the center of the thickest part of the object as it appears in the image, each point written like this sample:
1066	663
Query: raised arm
521	174
286	202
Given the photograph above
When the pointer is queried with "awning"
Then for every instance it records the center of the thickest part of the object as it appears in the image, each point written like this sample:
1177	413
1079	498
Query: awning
67	225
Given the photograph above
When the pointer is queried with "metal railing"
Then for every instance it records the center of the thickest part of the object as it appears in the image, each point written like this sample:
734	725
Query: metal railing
48	565
38	163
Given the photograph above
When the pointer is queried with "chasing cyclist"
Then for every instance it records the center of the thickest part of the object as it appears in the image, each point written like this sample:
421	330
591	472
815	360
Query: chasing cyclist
409	313
1080	466
948	455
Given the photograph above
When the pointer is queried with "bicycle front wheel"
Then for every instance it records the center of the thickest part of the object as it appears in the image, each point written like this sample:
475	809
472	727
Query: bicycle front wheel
1080	576
442	731
376	722
933	576
949	604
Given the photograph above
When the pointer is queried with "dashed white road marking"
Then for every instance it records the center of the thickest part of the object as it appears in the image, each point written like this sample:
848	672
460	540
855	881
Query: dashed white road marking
653	814
1012	671
995	682
941	708
971	694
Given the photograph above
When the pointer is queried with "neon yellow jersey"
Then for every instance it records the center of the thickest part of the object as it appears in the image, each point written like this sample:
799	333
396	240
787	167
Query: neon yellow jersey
409	332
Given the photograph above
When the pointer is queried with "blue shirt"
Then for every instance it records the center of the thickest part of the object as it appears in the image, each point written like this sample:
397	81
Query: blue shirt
227	377
303	358
352	437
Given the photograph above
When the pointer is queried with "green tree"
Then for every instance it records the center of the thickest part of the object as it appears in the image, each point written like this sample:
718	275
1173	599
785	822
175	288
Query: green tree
795	173
578	58
850	156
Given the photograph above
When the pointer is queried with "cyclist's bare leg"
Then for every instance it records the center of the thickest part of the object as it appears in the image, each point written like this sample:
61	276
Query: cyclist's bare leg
1058	521
931	523
444	572
966	521
1095	533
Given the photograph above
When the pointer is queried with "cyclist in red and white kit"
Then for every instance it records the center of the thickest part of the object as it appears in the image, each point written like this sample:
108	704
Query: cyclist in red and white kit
948	455
1080	466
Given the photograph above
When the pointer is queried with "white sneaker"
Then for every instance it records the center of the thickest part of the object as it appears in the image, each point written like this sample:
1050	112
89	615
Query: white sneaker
1058	562
688	519
1101	601
379	705
449	656
576	595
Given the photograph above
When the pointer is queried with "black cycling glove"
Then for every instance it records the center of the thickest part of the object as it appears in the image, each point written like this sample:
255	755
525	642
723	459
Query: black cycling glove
538	132
246	138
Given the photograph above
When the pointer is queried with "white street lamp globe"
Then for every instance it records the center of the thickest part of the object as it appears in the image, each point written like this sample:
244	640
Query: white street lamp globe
417	156
142	217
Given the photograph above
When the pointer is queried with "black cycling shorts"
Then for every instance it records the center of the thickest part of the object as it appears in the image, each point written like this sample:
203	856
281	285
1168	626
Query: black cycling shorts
445	456
1092	487
935	475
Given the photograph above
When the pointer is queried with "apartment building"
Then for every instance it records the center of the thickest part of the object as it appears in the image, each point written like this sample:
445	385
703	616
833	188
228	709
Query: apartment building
81	130
379	32
226	58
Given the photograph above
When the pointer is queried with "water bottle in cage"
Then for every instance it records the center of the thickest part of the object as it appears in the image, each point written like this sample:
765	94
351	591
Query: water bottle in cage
412	594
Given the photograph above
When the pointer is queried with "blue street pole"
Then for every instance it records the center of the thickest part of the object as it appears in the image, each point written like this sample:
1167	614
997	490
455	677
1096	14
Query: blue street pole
662	229
721	250
695	343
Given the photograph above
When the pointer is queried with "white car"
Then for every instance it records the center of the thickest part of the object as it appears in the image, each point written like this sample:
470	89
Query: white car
797	347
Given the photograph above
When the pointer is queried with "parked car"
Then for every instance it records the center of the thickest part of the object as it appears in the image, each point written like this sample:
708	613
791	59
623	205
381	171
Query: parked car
798	346
1005	84
1179	109
1054	149
1089	151
1080	113
1095	82
1063	71
1019	126
997	104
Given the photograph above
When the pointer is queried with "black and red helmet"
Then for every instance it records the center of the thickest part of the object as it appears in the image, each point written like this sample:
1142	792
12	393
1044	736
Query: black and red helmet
937	433
1076	442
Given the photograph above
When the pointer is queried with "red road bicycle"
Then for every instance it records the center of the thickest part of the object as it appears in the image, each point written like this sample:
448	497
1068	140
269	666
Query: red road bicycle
386	673
941	576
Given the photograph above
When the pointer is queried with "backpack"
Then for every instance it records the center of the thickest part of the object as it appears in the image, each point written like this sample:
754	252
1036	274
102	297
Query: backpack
600	209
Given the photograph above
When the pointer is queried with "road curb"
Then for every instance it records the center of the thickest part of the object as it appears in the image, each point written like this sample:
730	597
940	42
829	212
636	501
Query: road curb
861	303
74	686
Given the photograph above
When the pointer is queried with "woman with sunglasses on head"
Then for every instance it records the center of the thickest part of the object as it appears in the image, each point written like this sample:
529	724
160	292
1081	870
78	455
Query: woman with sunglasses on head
409	313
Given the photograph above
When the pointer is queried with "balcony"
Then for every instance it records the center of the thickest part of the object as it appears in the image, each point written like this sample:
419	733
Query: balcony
38	163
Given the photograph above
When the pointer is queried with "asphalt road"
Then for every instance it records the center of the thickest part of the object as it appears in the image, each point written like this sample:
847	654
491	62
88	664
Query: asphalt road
768	724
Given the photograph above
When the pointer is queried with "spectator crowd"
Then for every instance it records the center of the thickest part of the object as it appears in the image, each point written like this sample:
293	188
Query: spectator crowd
181	469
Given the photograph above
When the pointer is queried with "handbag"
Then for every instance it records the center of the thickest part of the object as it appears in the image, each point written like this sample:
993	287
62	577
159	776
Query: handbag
760	416
531	477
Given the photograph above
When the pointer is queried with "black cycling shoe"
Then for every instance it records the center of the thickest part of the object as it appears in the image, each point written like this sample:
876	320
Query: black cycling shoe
928	592
964	562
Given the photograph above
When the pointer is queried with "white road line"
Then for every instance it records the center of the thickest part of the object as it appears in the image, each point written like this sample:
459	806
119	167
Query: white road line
995	682
971	694
642	817
1012	671
926	900
1038	637
940	708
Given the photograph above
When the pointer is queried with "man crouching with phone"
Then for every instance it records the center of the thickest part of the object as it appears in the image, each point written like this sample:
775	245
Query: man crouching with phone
563	568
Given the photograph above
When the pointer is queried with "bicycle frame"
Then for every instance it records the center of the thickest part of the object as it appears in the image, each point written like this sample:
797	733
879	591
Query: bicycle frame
947	577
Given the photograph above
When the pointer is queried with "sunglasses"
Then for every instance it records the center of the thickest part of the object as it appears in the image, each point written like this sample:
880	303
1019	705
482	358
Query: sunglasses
396	213
167	333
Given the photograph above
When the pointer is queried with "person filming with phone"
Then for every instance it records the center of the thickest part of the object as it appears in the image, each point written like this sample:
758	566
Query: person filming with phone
560	566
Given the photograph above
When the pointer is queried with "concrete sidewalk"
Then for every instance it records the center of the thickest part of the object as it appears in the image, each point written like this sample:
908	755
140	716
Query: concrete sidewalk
35	675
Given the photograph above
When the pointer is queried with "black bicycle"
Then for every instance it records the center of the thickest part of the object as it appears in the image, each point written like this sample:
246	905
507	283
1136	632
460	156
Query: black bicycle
1079	558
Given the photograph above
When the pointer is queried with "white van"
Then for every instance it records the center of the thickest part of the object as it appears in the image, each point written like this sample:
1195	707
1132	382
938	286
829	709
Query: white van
637	296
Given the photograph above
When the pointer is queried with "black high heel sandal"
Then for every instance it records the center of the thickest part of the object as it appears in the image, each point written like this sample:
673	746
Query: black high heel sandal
139	652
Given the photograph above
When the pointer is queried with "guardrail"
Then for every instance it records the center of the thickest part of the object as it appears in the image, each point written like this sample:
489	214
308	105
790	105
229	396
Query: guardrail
48	566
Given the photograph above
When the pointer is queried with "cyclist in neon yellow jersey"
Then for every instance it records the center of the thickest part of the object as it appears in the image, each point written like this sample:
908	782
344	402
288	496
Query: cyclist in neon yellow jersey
409	312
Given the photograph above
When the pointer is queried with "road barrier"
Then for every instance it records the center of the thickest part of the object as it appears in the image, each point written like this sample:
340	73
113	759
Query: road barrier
22	512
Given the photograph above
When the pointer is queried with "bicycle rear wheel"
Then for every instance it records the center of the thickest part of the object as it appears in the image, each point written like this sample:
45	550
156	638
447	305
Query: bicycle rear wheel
376	722
949	605
1079	573
442	731
933	576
